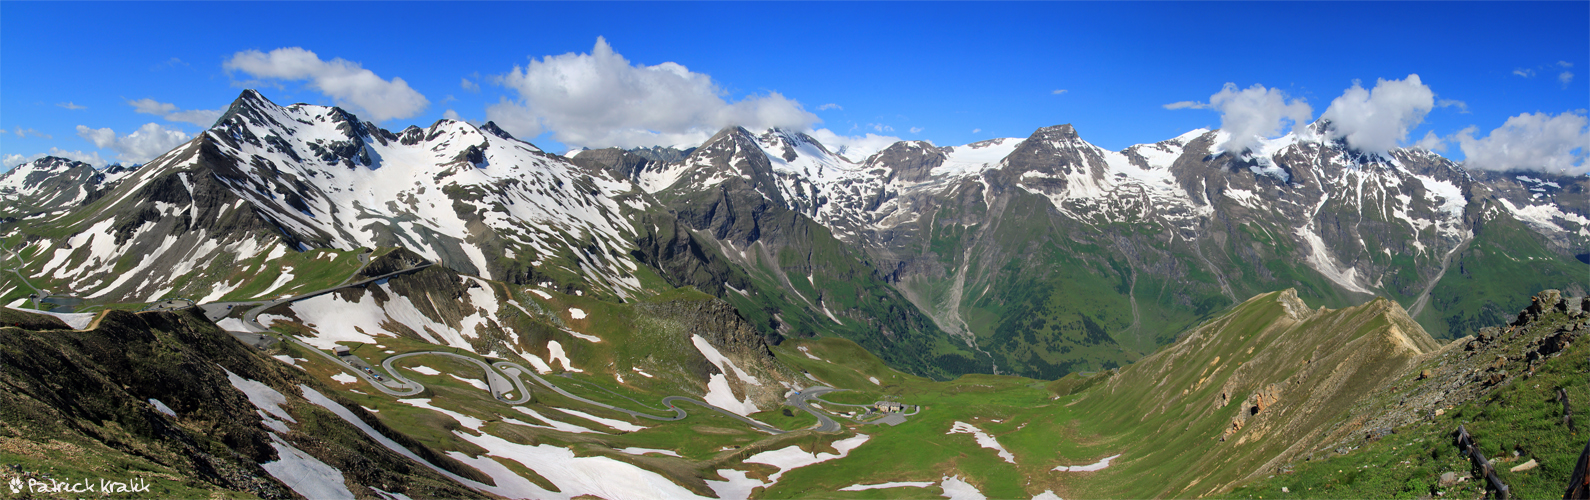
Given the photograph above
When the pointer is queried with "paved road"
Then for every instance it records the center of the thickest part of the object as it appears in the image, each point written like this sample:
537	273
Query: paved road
408	389
800	400
679	413
496	383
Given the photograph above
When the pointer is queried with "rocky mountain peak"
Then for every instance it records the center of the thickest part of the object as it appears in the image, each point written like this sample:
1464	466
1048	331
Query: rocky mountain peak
1056	150
910	161
493	129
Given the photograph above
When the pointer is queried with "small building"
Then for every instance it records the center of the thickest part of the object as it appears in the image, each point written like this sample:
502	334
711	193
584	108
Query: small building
340	350
889	406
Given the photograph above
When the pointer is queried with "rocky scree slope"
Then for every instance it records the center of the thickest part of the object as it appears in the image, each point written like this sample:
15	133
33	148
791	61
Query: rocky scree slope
82	404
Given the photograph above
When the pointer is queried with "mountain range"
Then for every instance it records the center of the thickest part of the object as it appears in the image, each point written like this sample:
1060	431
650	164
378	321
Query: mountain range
1035	256
747	317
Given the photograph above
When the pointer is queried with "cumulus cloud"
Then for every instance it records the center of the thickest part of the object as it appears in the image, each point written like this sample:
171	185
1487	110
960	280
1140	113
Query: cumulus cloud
1431	142
1462	107
1378	120
451	115
70	105
1565	77
1186	105
12	160
600	99
345	82
879	127
1524	72
142	145
916	130
1565	64
1530	141
1058	91
829	106
853	148
200	117
469	85
1251	114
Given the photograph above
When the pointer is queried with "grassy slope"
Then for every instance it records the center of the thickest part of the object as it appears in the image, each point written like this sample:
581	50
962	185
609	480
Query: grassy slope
1487	283
1523	417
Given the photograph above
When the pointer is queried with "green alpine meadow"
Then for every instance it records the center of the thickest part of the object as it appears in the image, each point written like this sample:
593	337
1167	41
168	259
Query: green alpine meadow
751	251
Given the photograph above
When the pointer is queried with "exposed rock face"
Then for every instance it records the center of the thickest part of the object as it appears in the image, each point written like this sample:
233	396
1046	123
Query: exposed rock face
90	391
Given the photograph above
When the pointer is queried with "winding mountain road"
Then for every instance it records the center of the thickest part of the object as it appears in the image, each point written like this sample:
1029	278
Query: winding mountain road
496	383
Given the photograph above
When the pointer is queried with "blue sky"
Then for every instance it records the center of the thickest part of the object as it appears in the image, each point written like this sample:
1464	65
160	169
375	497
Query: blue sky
951	73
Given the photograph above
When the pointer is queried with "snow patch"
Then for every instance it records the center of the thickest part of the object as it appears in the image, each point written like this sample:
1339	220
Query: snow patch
983	439
467	421
879	486
161	407
550	423
555	353
475	382
344	378
642	451
576	313
719	360
426	370
262	396
575	476
77	321
1096	466
305	474
615	424
956	489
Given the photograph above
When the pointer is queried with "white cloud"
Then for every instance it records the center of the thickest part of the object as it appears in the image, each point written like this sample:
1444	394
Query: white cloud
1462	107
1254	113
1565	77
829	106
916	130
1430	142
853	148
70	105
1565	64
1186	105
1379	119
1530	141
200	117
142	145
600	99
345	82
24	132
451	115
469	85
976	130
879	127
1058	91
152	107
1524	72
12	160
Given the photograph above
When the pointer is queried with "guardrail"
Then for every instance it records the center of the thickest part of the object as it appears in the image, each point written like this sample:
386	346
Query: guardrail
1466	443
